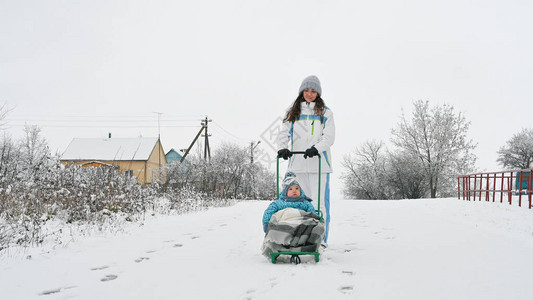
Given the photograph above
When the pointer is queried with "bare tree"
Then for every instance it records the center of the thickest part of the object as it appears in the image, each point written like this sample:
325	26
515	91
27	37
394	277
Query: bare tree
437	136
406	176
518	152
34	150
228	167
3	113
9	156
365	176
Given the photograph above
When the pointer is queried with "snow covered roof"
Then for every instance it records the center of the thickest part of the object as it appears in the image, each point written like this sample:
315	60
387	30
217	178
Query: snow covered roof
109	149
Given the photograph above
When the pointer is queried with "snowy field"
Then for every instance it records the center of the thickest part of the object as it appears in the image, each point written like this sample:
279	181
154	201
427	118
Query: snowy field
411	249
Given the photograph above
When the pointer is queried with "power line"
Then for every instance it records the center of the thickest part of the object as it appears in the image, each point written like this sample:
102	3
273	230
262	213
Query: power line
92	119
102	126
234	136
95	121
196	117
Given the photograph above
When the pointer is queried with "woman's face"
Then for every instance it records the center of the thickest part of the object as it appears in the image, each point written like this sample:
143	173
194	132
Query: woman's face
310	95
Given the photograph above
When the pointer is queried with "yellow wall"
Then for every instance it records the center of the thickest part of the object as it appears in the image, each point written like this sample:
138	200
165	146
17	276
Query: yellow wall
156	158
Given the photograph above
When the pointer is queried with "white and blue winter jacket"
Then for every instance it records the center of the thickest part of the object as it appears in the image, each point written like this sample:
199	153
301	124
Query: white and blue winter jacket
306	132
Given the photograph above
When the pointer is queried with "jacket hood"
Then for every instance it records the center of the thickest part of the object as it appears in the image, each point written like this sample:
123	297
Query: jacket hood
288	181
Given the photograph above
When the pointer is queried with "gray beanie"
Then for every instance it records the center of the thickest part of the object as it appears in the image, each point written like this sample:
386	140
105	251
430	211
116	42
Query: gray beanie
311	82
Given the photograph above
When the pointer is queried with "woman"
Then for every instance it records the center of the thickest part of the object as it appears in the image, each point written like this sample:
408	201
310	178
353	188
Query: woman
309	126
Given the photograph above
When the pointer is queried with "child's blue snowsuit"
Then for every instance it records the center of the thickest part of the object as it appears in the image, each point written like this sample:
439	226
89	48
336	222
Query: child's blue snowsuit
302	202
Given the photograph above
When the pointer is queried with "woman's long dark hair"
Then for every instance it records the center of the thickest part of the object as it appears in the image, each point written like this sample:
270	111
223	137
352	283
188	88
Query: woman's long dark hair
294	113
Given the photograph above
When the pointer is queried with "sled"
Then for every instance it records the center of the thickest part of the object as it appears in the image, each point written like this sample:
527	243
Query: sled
295	256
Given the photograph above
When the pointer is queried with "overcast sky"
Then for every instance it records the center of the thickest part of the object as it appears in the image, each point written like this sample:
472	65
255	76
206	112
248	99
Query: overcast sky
87	68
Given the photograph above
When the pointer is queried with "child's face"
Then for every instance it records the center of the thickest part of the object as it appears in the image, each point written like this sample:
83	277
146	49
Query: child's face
293	191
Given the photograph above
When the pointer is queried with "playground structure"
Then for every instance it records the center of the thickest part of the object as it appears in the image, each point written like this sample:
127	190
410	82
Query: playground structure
492	186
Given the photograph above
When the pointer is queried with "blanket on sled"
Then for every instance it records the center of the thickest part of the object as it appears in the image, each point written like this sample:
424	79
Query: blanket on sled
293	230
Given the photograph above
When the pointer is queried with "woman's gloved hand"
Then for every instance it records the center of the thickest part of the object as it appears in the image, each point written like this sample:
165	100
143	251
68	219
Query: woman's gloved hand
310	152
284	153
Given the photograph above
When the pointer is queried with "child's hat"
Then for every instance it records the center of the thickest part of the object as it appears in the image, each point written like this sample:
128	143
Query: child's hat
288	181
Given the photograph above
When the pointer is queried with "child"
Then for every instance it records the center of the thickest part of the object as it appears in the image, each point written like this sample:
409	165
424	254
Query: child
290	196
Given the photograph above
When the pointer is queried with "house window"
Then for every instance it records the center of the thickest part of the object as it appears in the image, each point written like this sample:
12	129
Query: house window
128	173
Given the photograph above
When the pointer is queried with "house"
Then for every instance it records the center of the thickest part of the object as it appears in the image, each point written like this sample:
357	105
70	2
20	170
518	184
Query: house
139	157
173	155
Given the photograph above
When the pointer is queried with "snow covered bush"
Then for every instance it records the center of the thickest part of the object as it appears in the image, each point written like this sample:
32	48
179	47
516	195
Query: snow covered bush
229	174
36	190
87	192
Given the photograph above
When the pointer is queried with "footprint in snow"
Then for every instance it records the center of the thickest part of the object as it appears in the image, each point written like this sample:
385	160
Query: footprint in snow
99	268
346	289
349	273
273	282
178	245
109	278
349	248
249	294
55	291
140	259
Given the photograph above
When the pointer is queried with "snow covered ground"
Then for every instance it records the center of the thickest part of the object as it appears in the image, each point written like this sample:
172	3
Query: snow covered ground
410	249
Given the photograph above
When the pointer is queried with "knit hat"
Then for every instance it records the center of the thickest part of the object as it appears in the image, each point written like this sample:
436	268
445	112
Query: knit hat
288	181
311	82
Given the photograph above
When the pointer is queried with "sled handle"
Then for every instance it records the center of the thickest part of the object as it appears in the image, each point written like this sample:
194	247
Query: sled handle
319	178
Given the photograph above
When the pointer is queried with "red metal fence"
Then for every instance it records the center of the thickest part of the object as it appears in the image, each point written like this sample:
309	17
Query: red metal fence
495	186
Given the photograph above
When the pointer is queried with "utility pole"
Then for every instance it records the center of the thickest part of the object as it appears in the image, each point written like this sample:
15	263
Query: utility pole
207	149
160	148
253	145
158	123
159	134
